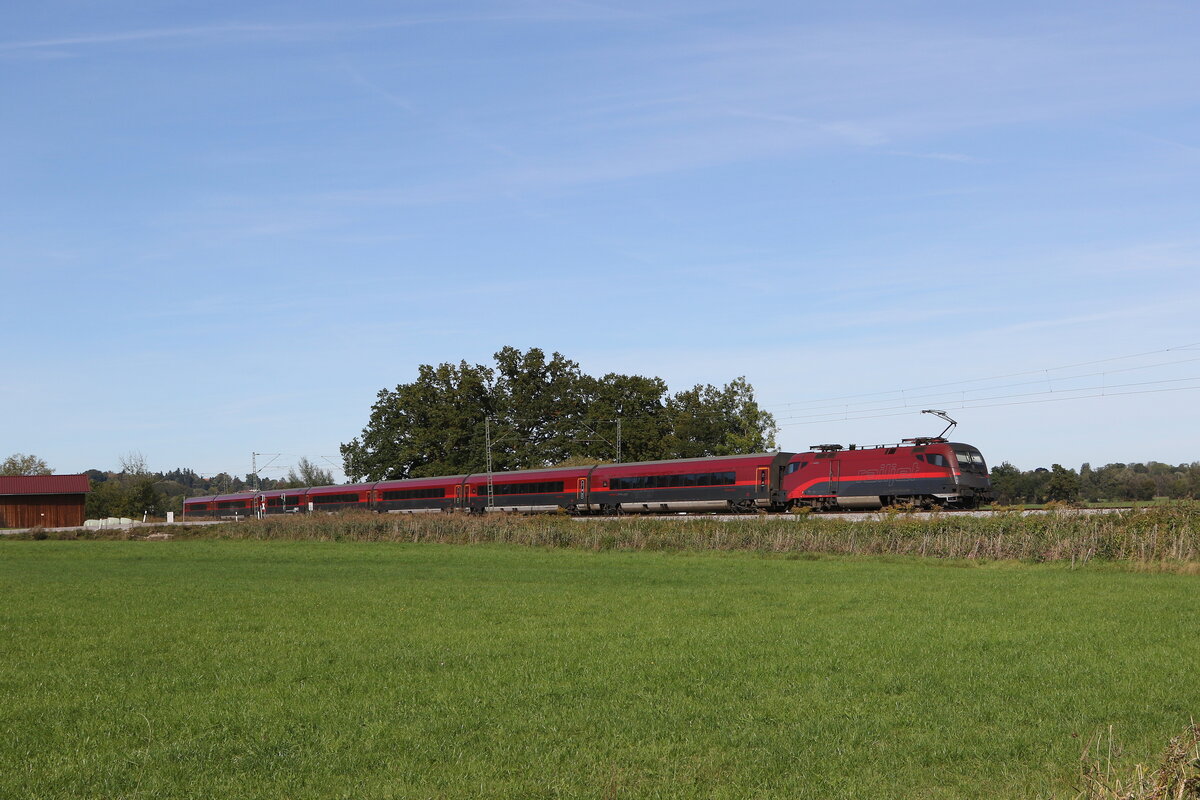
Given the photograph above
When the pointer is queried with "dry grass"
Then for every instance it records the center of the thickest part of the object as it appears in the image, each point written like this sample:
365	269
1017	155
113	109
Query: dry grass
1177	776
1165	537
1162	537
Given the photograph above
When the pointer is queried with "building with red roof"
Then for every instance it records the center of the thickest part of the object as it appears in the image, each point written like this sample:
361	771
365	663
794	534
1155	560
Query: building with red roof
49	501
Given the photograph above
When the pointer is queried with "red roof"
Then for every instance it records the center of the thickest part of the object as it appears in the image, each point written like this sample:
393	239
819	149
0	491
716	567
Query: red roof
44	484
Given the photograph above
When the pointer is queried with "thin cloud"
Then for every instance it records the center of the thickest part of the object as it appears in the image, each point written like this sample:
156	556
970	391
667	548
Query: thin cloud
272	30
958	158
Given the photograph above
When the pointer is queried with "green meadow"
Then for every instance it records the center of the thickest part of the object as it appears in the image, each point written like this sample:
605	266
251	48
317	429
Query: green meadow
305	669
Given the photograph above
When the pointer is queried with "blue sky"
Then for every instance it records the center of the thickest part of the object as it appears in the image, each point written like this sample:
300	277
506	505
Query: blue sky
224	227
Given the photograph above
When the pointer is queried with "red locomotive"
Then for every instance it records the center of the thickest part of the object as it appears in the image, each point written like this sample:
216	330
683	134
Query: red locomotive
925	472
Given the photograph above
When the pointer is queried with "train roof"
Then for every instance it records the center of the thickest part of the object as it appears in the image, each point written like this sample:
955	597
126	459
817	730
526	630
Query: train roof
436	480
346	487
282	492
533	473
742	457
905	445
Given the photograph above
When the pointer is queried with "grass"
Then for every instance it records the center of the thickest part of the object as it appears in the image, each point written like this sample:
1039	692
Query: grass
268	669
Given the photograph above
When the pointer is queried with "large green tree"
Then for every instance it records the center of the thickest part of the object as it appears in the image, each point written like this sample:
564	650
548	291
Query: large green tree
432	426
539	411
537	405
707	421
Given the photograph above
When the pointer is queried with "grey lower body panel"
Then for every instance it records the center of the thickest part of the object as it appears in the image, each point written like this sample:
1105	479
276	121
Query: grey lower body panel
522	509
862	502
676	505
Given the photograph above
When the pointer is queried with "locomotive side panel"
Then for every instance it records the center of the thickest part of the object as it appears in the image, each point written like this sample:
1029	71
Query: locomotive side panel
869	478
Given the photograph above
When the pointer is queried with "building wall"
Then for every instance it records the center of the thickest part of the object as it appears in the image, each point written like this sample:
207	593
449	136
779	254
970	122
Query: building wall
47	510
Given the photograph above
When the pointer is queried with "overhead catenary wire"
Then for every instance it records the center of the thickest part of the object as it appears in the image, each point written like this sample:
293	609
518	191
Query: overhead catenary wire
923	399
1041	371
790	422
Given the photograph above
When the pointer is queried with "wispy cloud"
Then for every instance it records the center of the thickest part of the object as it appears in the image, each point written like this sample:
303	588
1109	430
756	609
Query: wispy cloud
958	158
254	31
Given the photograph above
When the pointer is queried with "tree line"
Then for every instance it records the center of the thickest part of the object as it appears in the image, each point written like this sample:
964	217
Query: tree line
1113	482
538	411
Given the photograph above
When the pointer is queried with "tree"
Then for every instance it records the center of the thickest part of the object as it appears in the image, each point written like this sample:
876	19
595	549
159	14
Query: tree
1008	484
133	463
432	426
537	406
1089	487
539	411
635	400
130	493
306	473
21	464
104	500
1062	486
1140	487
707	421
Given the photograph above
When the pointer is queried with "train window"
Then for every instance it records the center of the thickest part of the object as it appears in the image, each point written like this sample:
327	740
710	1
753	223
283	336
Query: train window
891	451
325	499
675	480
937	459
919	457
541	487
415	494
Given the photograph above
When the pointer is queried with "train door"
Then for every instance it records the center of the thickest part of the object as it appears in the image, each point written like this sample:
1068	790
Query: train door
581	496
835	474
764	480
458	497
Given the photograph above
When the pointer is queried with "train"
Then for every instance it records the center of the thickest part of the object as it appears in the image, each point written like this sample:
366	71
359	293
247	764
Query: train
925	472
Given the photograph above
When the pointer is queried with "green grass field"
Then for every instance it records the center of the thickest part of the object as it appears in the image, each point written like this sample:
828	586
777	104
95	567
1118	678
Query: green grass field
293	669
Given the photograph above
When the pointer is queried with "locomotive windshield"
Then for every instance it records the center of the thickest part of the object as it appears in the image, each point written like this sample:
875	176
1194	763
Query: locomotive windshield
970	461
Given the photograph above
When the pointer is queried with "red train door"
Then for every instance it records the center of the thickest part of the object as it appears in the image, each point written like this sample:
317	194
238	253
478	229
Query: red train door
835	472
458	496
764	479
582	496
